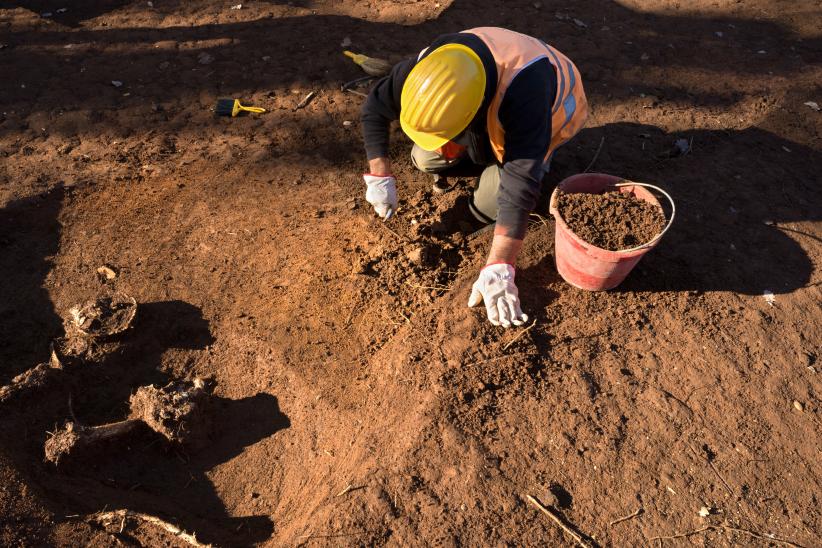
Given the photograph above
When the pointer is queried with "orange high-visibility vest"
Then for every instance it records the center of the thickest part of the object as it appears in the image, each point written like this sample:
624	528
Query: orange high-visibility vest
513	52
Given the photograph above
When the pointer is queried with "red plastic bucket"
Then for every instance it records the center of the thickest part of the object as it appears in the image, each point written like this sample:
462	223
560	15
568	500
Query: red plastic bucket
585	265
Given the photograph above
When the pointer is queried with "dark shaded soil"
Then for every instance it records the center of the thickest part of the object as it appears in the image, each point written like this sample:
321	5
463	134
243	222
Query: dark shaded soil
612	220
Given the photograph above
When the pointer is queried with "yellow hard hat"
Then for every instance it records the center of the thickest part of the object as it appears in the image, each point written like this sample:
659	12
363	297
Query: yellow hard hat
441	95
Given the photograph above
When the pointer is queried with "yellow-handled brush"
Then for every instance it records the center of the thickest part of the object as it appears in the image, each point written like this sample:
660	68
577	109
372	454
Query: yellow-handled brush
232	107
371	65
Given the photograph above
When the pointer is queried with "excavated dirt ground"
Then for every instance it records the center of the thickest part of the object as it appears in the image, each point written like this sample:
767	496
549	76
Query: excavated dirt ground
344	357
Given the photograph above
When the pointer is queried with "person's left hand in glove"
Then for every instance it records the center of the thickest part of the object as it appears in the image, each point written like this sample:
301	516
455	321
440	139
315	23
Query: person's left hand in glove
495	286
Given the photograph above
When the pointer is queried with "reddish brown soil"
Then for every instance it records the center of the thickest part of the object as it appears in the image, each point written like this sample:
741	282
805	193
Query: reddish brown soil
336	364
612	220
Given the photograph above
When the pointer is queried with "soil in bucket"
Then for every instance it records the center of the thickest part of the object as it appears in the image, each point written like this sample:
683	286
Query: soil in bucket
612	220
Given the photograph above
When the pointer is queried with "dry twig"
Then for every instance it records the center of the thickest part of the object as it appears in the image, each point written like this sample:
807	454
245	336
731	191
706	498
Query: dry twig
307	99
559	521
403	238
626	518
107	517
348	488
771	538
520	334
596	155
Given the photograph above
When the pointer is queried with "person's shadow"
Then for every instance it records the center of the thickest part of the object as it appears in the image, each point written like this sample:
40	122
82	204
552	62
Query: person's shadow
143	472
29	237
737	194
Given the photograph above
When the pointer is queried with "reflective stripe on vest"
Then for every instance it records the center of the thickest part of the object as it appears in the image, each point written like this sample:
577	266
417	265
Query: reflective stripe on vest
513	52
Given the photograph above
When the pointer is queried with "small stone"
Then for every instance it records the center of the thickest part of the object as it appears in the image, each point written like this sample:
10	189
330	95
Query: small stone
237	7
204	58
719	34
798	406
549	498
346	42
581	24
537	5
164	65
106	273
266	58
347	123
812	105
415	255
359	265
704	512
352	205
645	57
117	83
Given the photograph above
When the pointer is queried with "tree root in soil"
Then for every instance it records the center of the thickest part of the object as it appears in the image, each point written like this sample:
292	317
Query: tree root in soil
769	538
74	437
176	412
105	519
33	379
84	324
578	538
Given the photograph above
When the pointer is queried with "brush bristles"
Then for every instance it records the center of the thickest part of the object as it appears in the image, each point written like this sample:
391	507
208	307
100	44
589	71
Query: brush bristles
225	107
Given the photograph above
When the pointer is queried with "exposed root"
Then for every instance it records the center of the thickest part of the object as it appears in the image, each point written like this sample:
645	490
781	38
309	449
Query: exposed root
101	317
770	538
120	517
176	411
74	437
559	521
33	379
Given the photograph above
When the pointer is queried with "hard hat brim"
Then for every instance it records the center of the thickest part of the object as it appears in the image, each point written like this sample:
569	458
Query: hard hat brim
425	141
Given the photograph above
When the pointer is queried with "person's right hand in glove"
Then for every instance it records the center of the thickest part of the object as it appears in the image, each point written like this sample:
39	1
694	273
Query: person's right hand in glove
495	286
382	194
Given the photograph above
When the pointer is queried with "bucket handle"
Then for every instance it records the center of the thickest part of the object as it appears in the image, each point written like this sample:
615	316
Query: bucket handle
656	238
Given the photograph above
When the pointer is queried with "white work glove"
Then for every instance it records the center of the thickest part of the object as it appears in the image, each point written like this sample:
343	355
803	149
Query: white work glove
382	194
496	287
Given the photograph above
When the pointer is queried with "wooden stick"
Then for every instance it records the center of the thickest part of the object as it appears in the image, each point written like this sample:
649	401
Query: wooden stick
520	334
348	488
558	520
626	518
596	155
171	528
382	224
305	101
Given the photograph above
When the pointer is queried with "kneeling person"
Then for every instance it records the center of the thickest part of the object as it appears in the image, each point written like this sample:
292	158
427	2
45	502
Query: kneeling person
498	98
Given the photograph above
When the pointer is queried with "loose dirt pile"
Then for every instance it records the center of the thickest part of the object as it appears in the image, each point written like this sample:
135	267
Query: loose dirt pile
611	220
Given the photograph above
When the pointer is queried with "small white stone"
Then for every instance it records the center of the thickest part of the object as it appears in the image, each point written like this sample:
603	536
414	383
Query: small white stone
116	83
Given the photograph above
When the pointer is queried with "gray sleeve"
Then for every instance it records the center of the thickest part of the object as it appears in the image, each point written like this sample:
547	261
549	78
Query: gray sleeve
525	115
